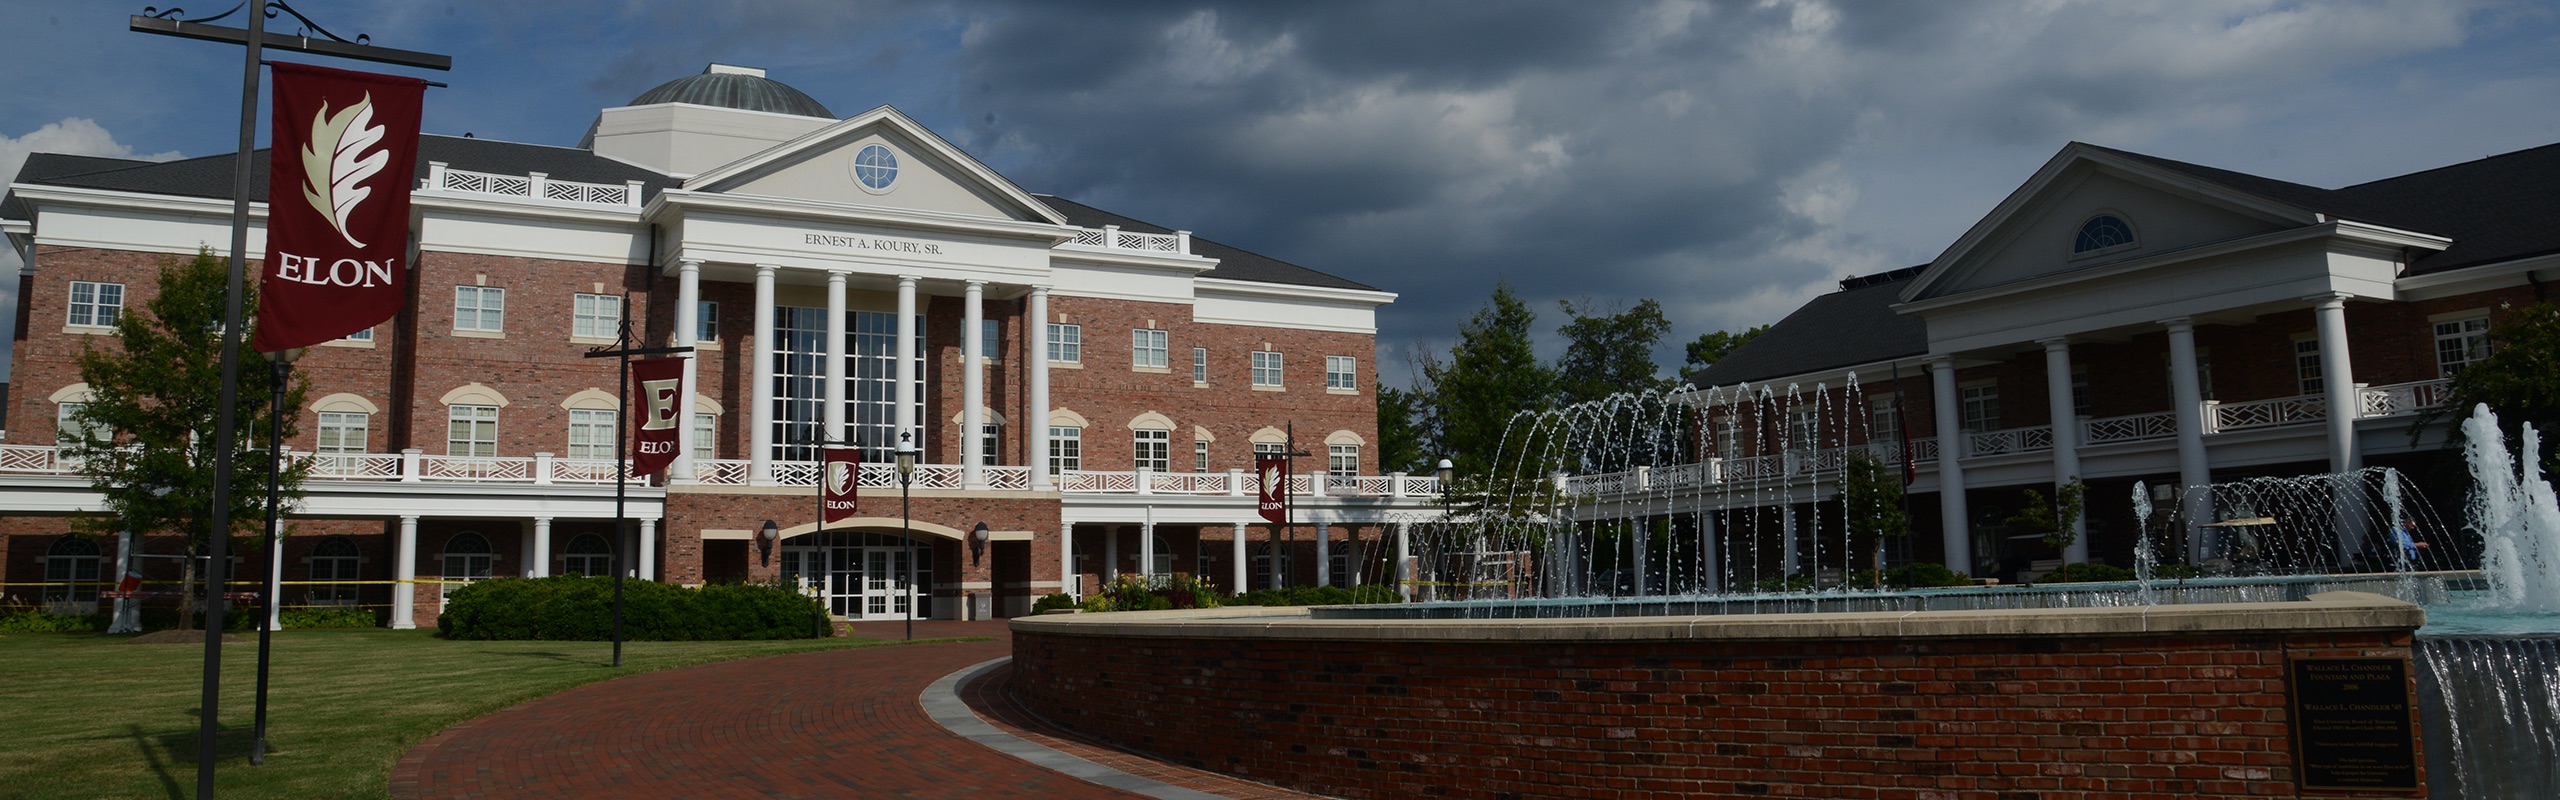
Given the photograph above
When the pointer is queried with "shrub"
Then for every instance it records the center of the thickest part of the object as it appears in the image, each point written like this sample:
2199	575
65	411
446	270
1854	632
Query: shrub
577	608
1316	596
1924	574
305	618
40	622
2087	573
1053	602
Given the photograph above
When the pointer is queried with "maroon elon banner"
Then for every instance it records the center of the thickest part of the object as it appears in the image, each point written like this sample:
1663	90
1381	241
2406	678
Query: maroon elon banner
1274	472
345	152
839	480
654	413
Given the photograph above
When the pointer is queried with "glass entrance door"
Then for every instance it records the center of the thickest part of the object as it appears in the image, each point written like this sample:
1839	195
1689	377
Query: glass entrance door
859	575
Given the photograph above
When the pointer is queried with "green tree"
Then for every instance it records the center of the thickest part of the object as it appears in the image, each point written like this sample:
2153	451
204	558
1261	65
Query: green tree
2519	378
2054	516
1713	346
1608	353
1400	433
1871	503
1492	374
145	436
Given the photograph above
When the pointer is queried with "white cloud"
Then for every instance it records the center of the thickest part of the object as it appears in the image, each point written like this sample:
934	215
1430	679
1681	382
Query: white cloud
79	136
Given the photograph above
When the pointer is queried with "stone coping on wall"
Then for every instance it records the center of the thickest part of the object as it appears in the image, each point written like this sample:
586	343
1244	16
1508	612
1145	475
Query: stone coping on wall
2327	611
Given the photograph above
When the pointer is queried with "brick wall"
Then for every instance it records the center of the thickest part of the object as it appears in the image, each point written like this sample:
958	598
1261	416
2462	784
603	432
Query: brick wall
1109	392
2042	718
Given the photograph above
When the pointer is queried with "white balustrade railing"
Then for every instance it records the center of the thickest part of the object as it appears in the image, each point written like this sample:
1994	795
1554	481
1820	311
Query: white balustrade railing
28	458
531	186
2403	398
1111	237
2135	428
2012	440
2295	410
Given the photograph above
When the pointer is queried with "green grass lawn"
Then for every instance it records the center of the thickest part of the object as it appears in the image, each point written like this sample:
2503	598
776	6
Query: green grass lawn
90	716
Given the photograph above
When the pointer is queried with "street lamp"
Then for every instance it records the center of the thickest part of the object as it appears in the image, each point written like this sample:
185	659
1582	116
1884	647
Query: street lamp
978	537
765	539
1448	474
279	375
907	520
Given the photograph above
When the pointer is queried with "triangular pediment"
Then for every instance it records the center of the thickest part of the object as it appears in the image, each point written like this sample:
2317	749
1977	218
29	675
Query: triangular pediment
2036	232
880	158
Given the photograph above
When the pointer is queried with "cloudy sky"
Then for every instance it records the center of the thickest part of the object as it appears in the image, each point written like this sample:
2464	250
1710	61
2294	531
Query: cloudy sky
1729	159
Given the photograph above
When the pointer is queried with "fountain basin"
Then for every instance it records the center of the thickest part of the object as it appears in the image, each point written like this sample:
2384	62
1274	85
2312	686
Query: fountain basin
2165	701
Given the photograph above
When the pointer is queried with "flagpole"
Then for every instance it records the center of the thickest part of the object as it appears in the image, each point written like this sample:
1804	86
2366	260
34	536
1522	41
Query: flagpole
622	351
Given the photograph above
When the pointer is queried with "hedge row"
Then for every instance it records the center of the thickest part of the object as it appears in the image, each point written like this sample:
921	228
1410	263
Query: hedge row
577	608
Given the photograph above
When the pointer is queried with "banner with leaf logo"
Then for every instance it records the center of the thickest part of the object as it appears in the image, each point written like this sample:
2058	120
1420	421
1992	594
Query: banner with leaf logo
344	155
840	483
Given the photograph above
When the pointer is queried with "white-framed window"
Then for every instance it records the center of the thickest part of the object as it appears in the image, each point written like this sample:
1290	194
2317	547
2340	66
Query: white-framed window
1884	421
1066	343
471	431
2104	232
588	555
706	436
1804	429
991	339
1147	348
96	304
335	567
479	308
2306	364
1266	368
467	557
596	316
1342	459
990	441
1200	365
1341	372
591	434
1261	449
71	567
68	431
343	433
1066	449
1981	408
365	335
1153	450
1199	455
706	321
2080	391
2460	343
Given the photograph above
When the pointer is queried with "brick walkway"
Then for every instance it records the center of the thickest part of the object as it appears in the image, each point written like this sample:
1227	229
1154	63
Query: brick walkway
837	724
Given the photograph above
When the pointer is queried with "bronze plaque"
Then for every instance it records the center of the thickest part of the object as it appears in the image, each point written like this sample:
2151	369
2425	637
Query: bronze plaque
2352	729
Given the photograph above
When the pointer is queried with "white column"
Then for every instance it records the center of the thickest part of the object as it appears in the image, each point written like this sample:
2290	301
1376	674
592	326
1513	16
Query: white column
1707	551
128	617
1110	552
1243	565
1957	538
906	391
404	576
832	419
1147	550
2186	398
2066	436
1404	561
1791	555
760	407
1035	333
973	388
1067	581
648	549
541	557
2338	382
1324	550
688	323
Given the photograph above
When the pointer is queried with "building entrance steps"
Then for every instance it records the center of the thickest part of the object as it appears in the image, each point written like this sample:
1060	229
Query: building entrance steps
863	723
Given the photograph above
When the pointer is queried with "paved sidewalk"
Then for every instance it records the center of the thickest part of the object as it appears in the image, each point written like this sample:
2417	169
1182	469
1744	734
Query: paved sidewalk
841	724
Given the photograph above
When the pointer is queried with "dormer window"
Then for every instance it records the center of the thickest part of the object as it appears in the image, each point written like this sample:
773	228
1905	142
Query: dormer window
2104	232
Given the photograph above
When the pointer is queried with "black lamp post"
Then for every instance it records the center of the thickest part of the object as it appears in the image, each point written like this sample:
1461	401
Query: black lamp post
1448	475
907	520
279	376
765	539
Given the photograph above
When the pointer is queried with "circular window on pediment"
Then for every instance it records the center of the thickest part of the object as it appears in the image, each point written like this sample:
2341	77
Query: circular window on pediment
2102	232
875	168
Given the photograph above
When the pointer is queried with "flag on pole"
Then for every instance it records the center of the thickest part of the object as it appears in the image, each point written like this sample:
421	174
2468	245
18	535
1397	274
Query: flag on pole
344	156
654	412
839	483
1274	496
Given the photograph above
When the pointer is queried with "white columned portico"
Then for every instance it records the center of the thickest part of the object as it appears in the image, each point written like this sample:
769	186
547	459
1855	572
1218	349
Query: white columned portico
404	576
1147	550
760	408
1956	535
906	370
2066	437
688	326
1036	350
833	417
973	387
2338	382
1243	565
2186	397
648	549
541	557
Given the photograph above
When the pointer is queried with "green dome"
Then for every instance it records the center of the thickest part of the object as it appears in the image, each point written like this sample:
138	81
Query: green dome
744	88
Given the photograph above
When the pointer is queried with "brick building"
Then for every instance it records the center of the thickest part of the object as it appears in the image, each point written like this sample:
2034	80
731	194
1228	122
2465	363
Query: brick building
1087	387
2186	324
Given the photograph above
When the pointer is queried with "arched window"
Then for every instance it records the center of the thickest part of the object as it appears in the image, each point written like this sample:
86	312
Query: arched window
587	555
71	565
1164	558
2102	232
336	559
1262	565
467	557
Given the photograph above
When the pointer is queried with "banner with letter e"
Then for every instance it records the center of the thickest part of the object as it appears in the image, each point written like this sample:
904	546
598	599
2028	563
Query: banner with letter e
654	411
839	480
343	158
1273	472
